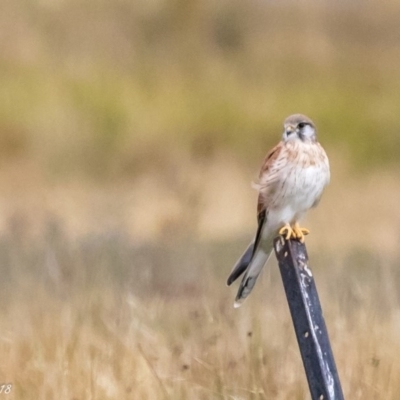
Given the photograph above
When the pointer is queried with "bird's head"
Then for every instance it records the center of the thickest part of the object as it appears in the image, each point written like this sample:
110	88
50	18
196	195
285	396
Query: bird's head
299	127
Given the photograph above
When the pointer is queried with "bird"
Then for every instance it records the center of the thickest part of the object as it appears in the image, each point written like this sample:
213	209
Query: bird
292	179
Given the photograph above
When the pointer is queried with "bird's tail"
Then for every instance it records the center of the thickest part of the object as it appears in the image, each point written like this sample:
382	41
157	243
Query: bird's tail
253	269
241	264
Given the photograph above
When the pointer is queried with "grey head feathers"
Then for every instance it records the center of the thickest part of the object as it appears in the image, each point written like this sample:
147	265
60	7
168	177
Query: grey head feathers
298	126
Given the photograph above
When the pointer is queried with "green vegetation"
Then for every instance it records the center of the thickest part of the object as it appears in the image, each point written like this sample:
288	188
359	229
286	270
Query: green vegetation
97	88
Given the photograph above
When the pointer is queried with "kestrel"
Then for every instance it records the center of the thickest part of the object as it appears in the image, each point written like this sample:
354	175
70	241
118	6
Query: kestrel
291	181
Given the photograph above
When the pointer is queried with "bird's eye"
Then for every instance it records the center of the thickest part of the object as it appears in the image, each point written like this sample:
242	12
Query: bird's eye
301	125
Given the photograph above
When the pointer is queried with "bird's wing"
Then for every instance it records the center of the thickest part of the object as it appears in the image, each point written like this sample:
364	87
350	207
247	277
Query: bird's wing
269	176
262	213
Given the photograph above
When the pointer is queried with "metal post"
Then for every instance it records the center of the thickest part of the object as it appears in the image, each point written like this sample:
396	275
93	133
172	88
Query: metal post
308	320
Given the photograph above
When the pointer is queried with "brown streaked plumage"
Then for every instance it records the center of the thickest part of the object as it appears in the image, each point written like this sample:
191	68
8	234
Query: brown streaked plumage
291	181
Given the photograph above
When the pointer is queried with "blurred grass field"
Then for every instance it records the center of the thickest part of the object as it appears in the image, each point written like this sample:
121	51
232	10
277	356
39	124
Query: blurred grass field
129	135
103	319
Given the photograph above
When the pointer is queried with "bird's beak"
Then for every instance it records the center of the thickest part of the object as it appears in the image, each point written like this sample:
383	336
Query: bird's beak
290	129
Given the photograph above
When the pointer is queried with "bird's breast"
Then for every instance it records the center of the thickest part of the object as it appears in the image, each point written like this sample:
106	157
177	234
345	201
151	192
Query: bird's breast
302	179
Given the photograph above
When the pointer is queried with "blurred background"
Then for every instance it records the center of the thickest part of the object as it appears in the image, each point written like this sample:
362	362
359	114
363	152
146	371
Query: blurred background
130	133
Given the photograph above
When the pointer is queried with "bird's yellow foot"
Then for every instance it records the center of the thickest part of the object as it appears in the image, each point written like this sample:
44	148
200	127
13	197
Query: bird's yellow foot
288	232
300	232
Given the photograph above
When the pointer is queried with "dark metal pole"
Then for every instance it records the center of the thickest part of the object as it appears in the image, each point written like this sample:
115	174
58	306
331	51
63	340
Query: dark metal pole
308	320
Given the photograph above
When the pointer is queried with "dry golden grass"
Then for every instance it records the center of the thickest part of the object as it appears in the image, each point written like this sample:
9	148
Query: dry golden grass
102	318
93	310
120	123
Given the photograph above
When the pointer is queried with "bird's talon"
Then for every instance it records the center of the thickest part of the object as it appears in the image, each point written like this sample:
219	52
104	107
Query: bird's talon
300	232
287	232
294	232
